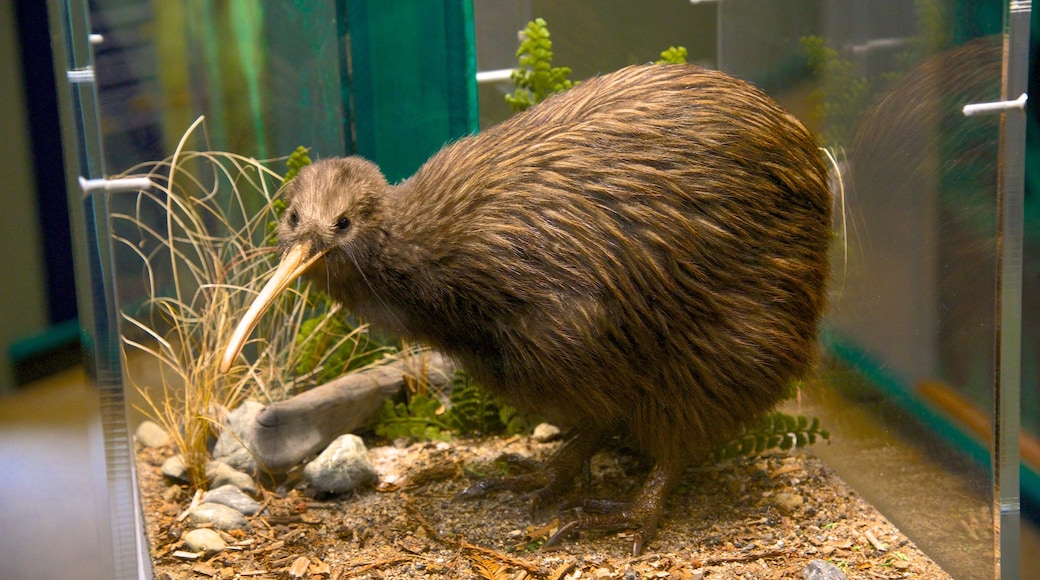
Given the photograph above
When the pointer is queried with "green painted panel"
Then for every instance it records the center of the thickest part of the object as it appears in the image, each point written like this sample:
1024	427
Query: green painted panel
412	79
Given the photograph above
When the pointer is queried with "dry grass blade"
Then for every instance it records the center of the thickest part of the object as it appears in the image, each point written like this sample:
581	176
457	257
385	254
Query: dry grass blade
201	237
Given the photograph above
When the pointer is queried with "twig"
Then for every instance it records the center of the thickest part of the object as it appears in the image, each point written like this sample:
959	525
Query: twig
361	568
744	558
191	506
874	541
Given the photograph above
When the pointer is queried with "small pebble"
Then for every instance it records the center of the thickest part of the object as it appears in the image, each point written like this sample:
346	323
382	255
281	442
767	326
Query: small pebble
221	516
545	432
219	474
204	540
820	570
343	466
232	497
175	469
150	434
402	442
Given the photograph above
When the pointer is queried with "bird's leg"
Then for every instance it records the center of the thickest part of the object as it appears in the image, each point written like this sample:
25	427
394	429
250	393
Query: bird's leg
552	480
643	514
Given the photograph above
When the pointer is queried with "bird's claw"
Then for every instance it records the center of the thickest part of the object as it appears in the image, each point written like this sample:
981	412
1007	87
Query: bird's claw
517	483
478	489
616	516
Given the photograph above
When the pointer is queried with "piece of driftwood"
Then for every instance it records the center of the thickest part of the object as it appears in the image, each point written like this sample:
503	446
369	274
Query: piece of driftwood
287	432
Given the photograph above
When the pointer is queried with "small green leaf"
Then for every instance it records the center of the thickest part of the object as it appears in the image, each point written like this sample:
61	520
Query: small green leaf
674	55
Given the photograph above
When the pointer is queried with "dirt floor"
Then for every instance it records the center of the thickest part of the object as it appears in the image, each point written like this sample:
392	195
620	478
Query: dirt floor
750	518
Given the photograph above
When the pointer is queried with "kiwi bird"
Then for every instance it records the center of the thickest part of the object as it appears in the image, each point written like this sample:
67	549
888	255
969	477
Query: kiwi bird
643	255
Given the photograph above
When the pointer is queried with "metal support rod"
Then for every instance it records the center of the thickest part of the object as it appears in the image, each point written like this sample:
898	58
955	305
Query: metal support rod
71	42
974	109
1010	211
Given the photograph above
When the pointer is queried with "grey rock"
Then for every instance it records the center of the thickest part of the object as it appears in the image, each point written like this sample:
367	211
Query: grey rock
820	570
232	497
545	432
204	540
342	467
175	469
220	474
150	434
238	427
221	516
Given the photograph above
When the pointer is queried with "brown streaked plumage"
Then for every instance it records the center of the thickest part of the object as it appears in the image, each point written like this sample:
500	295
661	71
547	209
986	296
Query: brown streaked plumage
644	254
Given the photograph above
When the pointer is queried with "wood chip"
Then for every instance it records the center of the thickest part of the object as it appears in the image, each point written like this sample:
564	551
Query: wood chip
194	502
561	571
205	570
410	543
789	468
299	567
184	555
320	568
874	541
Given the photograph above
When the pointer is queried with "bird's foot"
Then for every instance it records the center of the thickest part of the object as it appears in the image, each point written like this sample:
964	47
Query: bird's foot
542	488
525	482
546	484
612	516
641	515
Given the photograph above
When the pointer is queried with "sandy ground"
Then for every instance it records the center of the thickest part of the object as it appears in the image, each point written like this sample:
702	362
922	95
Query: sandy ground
756	517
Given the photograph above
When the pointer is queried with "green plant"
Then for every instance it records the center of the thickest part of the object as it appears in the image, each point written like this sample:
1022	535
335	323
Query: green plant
331	345
536	78
417	418
199	271
469	409
776	431
674	55
844	95
297	160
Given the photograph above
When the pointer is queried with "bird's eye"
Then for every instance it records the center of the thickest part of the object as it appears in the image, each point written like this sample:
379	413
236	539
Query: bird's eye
294	218
342	224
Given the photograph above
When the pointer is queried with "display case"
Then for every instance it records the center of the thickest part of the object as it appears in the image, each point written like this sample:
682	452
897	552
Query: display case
930	343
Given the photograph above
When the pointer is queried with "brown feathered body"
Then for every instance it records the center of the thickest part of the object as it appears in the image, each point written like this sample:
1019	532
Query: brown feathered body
645	253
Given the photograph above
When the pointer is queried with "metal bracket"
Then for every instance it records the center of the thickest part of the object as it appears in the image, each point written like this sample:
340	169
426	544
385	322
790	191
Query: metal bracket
81	76
89	186
974	109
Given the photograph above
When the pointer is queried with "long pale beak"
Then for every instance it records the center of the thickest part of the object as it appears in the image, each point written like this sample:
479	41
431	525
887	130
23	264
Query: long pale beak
294	263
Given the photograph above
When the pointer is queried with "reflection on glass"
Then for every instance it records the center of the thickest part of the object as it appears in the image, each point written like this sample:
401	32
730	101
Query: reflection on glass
911	335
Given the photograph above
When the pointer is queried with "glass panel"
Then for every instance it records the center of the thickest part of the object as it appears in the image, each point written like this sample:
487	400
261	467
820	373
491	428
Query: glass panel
908	387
